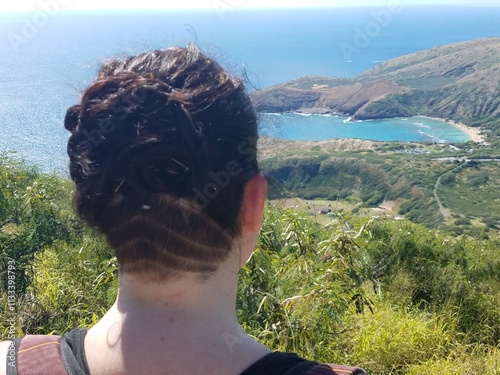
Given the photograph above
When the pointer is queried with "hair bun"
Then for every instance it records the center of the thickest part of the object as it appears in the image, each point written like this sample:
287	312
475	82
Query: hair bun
142	136
72	118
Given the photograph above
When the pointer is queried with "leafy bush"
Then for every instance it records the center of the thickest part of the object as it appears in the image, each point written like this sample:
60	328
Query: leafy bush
31	217
462	221
299	284
477	179
448	179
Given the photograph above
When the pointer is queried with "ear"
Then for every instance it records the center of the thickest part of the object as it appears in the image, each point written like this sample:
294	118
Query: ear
252	209
254	199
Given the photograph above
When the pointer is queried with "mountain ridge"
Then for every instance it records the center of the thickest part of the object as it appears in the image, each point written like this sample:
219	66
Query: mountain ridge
457	81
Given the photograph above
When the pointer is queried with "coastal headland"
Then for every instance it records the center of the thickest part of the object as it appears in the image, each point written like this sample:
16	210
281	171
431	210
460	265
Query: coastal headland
457	83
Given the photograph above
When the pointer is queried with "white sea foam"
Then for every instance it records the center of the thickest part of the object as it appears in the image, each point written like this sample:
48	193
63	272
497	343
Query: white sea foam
421	125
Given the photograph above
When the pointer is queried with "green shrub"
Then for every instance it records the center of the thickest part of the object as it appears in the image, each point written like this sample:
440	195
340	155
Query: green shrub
391	339
463	221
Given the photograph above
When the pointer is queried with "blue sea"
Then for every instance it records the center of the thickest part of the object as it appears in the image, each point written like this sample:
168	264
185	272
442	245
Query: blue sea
46	60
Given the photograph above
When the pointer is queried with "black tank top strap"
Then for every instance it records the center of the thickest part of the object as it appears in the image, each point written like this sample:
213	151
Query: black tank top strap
73	352
278	363
333	369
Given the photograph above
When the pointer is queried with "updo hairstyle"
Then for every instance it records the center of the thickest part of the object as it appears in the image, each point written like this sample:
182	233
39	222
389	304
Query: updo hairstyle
161	146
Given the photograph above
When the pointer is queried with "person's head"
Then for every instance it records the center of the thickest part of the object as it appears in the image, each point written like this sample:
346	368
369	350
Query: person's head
162	147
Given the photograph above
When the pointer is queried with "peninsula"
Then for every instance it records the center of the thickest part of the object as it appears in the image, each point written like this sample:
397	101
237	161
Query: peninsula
457	82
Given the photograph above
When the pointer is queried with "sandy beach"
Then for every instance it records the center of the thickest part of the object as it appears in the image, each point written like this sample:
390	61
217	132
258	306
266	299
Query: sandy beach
473	133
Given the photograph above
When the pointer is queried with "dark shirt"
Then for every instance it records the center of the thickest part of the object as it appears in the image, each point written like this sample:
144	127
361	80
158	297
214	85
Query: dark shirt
276	363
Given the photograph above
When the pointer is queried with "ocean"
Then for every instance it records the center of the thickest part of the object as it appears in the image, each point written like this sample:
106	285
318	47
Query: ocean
47	59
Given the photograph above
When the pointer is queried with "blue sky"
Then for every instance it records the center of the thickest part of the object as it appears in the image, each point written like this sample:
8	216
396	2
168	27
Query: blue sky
35	5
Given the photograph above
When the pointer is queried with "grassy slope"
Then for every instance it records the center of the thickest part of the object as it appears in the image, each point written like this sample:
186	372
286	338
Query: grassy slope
431	302
371	172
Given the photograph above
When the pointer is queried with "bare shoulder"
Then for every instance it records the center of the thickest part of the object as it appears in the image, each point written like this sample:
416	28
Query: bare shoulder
4	348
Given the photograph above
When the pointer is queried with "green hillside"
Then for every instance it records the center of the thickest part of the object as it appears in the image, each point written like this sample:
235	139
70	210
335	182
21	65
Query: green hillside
417	177
458	81
390	296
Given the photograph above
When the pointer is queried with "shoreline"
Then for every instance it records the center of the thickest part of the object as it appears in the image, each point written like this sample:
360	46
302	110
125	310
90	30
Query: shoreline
473	133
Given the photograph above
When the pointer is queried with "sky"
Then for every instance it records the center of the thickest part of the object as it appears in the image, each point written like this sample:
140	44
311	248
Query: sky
38	5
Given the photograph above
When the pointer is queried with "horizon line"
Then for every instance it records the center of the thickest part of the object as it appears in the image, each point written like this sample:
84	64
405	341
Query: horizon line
271	7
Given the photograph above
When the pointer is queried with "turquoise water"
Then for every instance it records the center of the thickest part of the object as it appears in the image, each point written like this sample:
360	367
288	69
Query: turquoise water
305	127
41	78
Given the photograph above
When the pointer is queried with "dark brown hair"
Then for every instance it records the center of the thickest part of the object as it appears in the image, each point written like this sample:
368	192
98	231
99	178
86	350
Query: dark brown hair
162	144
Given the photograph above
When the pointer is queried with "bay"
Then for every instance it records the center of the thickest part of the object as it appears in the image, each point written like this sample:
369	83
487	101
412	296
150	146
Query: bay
312	127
